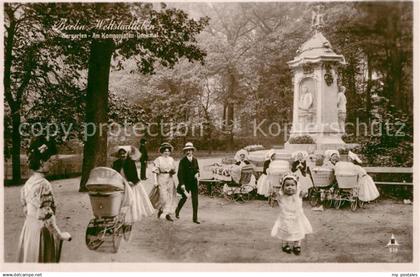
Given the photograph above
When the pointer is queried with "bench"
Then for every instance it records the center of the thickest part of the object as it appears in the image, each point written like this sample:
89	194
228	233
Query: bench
391	170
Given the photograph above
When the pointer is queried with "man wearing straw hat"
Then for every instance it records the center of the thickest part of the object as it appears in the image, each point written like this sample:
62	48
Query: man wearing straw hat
188	173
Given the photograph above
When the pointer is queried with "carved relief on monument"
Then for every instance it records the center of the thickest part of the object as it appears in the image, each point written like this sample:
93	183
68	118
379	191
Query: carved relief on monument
306	103
328	77
308	68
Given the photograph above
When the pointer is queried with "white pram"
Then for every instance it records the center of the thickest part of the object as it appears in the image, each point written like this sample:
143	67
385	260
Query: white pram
348	186
106	189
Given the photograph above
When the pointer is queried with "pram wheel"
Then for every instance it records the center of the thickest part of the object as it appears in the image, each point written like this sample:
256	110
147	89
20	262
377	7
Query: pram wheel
247	192
94	236
328	203
246	196
116	239
337	203
313	198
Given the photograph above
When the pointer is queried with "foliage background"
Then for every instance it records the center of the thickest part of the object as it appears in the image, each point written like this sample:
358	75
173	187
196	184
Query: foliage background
244	77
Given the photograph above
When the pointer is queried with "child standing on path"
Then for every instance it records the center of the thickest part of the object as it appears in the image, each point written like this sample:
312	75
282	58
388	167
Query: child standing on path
291	225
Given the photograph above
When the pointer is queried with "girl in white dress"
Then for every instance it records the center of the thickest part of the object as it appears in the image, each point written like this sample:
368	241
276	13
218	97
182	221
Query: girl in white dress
367	188
164	172
291	225
263	184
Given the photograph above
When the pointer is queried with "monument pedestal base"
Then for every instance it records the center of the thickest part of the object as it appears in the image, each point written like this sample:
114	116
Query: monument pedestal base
322	142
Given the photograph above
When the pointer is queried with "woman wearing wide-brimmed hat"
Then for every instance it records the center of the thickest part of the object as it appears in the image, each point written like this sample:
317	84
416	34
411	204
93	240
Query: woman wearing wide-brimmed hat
126	166
367	187
164	171
40	237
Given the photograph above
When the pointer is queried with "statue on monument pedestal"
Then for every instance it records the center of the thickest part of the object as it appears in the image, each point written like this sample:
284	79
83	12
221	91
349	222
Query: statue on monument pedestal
341	108
306	100
317	21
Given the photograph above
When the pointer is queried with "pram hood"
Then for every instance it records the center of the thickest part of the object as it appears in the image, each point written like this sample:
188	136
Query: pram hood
105	179
278	167
345	168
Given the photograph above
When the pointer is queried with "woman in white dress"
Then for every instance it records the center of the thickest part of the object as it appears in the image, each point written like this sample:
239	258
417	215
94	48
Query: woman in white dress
40	239
263	184
126	166
164	172
301	170
367	188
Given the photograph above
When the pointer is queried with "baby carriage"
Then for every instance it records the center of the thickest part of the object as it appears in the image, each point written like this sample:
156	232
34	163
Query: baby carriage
274	174
242	185
348	187
322	190
106	189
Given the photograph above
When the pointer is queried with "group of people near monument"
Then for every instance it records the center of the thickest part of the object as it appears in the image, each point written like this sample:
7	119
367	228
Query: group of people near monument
41	238
367	188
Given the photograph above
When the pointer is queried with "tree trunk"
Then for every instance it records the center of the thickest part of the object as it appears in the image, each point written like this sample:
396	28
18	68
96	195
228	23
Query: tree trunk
16	145
230	114
15	110
230	122
95	148
224	121
369	88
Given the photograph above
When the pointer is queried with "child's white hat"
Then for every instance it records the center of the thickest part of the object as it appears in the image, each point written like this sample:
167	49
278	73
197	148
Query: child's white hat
239	153
354	157
289	175
269	154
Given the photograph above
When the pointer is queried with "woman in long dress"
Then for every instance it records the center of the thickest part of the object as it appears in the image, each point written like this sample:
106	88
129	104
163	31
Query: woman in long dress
367	188
125	165
263	184
301	170
164	171
40	239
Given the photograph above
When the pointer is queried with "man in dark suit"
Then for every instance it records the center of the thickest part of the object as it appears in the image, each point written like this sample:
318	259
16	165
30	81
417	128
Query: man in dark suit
188	173
126	166
143	159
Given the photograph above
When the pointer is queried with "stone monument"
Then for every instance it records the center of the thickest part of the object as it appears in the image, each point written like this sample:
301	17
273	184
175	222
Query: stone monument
318	103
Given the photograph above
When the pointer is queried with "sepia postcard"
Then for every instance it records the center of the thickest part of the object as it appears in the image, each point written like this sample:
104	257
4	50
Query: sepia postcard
210	136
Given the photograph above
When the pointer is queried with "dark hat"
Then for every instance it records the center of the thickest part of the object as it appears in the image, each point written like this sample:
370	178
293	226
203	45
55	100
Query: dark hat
42	147
165	145
132	151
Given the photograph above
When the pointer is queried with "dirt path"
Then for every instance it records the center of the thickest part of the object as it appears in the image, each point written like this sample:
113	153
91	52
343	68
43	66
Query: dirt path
229	232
